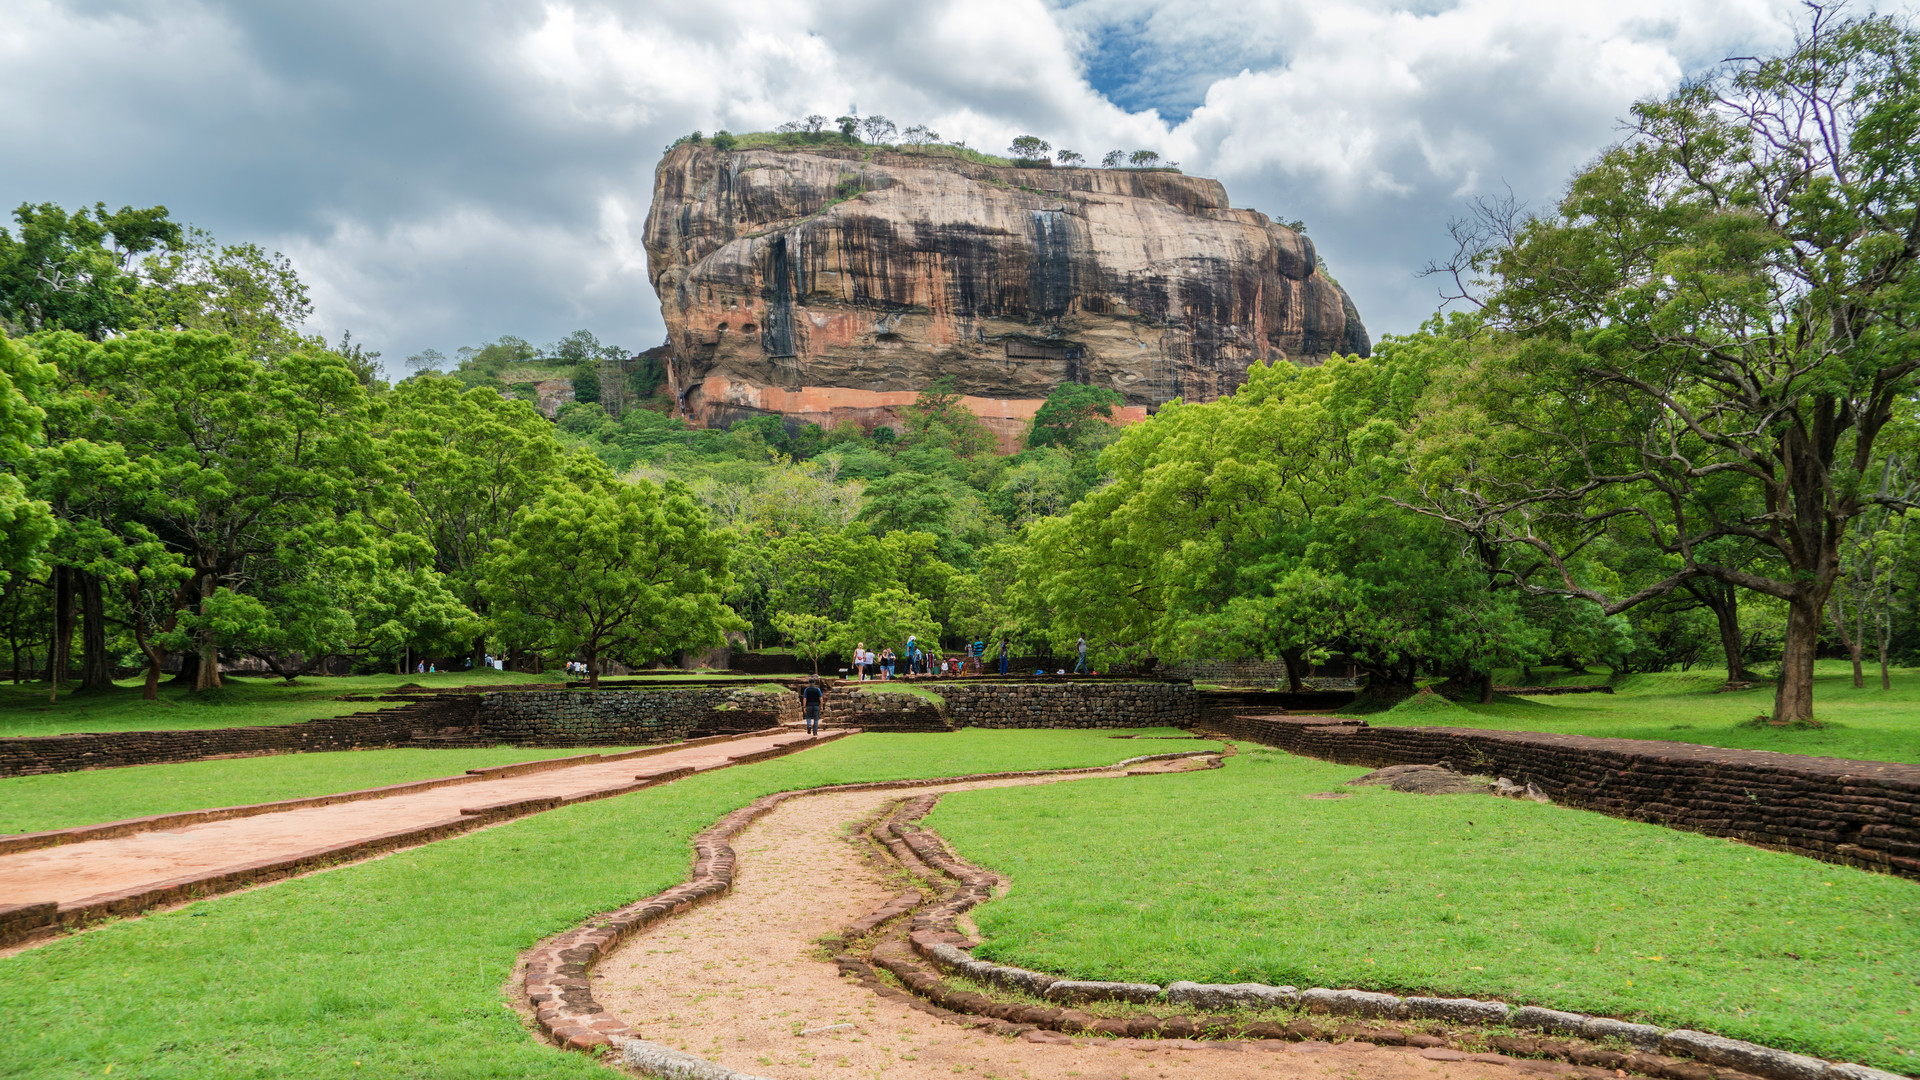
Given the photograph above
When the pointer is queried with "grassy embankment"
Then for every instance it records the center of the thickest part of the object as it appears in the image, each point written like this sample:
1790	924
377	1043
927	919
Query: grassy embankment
252	702
1233	875
1869	723
242	702
394	967
61	800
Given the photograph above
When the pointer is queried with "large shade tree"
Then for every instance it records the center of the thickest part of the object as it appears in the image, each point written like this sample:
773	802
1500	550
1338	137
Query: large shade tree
1710	335
612	571
467	463
226	461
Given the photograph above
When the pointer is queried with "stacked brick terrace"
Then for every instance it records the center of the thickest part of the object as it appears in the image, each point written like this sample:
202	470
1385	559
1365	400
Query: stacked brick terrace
1861	813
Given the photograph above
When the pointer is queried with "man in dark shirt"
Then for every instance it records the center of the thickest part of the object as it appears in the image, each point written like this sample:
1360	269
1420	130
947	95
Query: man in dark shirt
810	698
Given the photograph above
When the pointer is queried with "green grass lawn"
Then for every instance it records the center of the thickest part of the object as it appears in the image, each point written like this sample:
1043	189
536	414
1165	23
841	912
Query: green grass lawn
1233	875
1869	723
243	702
924	693
33	803
395	967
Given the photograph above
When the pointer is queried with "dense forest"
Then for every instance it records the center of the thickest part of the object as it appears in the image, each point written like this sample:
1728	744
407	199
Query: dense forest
1670	422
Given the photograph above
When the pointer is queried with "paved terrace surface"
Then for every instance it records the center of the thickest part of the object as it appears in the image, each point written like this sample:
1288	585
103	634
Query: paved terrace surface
86	874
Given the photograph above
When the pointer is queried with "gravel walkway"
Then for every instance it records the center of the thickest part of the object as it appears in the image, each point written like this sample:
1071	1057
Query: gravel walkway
737	980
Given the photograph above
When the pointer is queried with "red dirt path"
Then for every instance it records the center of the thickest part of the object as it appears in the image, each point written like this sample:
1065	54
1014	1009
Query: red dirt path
75	874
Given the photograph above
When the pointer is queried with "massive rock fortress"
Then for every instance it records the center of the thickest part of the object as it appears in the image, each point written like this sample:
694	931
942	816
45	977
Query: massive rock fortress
832	283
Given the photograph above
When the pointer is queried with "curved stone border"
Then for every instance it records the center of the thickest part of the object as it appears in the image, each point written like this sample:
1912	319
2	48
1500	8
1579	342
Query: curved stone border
1659	1051
554	978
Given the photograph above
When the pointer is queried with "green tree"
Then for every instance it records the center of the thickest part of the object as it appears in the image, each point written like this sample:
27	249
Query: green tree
1716	319
1072	413
78	271
939	418
467	462
809	633
26	524
586	382
228	459
1030	148
909	502
886	617
1254	526
615	571
822	573
242	291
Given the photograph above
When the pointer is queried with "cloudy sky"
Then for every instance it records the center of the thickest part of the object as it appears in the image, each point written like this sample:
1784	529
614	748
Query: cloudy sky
443	172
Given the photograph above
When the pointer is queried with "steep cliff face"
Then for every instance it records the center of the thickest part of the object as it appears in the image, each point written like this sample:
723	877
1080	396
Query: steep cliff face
834	283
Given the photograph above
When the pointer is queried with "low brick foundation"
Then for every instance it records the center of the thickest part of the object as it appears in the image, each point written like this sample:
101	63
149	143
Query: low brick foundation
1860	813
420	723
1070	705
988	703
617	717
466	718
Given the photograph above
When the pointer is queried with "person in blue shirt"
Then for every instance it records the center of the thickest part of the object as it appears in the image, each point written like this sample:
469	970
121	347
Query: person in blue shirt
810	699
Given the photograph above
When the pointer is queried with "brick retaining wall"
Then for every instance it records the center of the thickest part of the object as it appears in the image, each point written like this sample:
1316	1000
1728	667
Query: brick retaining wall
613	717
557	717
1069	705
519	717
1266	672
983	703
1861	813
399	726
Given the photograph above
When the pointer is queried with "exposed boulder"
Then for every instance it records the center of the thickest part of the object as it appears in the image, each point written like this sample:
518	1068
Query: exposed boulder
833	283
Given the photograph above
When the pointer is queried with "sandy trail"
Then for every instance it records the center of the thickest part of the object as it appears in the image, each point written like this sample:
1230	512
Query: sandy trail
735	980
75	873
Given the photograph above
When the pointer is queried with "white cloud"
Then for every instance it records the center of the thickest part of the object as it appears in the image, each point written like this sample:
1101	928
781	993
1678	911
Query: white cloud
444	172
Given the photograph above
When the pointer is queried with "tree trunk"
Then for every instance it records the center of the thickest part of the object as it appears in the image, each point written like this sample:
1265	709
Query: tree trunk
1793	697
156	658
1859	637
208	676
593	669
96	669
479	658
1486	687
1851	642
60	651
1291	658
1724	601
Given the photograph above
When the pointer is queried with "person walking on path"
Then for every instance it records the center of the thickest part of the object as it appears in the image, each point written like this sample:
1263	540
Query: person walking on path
810	698
1081	667
1003	656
